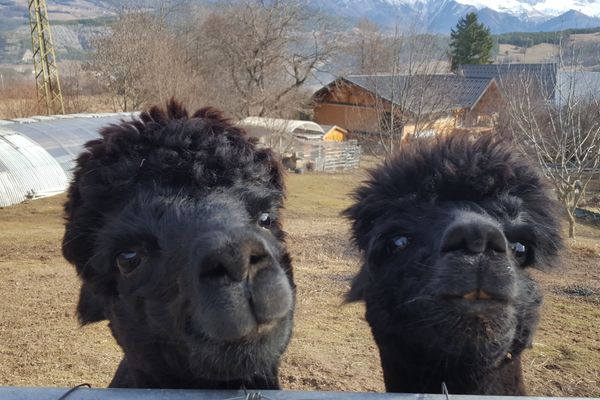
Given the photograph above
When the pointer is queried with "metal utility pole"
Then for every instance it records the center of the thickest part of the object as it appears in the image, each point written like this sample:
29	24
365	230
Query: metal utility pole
44	58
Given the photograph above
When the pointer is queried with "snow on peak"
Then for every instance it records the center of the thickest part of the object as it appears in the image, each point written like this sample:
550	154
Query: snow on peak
537	8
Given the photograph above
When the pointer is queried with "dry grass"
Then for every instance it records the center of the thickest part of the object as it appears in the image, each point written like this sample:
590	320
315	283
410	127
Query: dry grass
21	102
540	53
585	37
41	344
585	45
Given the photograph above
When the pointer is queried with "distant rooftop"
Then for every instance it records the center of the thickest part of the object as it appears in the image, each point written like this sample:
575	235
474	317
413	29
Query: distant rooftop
577	85
545	73
430	93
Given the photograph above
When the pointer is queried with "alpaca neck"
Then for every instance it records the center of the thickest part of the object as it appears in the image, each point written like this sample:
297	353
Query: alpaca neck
153	376
405	373
155	363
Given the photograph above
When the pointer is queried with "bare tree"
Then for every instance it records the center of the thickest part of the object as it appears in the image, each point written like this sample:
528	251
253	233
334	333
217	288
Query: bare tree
259	54
119	59
369	49
141	61
559	127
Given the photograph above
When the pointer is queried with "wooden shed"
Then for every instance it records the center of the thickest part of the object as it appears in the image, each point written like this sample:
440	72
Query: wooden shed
305	144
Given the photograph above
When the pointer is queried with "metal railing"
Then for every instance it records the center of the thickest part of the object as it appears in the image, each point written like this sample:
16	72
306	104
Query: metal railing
22	393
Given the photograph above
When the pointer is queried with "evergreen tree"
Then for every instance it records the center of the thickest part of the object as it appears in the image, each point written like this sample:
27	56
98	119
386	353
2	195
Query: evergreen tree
471	42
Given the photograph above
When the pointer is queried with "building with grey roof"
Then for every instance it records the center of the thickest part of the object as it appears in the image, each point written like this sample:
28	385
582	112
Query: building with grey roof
433	93
575	86
437	102
543	74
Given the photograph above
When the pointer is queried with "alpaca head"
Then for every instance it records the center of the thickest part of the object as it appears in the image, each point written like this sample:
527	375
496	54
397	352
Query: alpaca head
448	230
173	225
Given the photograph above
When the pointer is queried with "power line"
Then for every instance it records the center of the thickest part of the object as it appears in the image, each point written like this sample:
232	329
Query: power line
44	58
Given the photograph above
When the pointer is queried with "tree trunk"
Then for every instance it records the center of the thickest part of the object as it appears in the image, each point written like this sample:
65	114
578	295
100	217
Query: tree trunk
571	224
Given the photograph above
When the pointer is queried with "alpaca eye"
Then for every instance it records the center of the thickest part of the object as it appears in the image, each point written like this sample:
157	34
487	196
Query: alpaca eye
265	220
399	243
128	261
520	252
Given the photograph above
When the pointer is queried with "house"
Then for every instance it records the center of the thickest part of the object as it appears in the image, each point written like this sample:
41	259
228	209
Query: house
577	86
424	104
543	76
562	86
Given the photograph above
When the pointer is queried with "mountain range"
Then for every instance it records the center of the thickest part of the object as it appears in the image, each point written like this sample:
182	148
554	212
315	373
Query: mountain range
435	16
72	36
439	16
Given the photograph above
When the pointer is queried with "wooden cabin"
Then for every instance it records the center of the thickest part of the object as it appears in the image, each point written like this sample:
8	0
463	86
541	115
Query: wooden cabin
421	104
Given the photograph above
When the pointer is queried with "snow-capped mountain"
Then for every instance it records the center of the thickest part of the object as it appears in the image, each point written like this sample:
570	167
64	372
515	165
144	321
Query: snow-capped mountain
537	9
501	16
437	16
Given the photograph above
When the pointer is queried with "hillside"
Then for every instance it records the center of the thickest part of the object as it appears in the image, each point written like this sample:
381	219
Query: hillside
521	47
76	22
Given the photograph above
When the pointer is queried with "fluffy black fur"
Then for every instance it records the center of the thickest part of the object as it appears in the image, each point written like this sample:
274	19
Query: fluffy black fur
172	222
448	229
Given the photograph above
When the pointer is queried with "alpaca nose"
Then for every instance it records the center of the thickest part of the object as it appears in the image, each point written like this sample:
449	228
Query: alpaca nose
474	234
237	259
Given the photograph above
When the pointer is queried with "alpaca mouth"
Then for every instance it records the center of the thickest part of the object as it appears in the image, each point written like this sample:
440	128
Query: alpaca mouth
476	295
266	327
260	330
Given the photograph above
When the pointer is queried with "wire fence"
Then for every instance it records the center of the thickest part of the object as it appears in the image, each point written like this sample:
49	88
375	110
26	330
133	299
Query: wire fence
327	156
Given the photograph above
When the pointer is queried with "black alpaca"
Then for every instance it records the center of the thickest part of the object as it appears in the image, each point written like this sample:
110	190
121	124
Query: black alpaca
448	230
172	222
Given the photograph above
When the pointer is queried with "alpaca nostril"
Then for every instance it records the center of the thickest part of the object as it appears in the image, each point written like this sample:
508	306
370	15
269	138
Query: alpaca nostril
223	262
257	262
238	258
257	255
257	258
475	235
217	271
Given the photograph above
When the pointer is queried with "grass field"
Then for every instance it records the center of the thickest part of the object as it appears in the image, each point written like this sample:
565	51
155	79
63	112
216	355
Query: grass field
42	345
540	53
585	45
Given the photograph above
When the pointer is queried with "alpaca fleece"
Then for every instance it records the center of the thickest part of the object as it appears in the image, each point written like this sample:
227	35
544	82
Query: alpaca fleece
448	230
172	223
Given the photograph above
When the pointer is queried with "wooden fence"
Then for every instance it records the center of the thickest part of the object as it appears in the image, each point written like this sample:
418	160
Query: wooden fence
327	156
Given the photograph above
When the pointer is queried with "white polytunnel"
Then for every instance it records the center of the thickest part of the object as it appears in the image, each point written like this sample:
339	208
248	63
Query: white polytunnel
283	125
37	154
27	170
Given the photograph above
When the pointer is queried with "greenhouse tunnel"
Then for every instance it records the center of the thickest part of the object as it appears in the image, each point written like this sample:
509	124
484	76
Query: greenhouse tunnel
37	154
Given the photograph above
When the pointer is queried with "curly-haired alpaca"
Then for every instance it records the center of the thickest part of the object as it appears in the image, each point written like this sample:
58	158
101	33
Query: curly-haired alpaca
448	230
172	222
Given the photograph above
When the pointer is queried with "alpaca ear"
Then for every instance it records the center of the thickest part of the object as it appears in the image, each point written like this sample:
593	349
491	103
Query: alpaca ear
275	169
357	288
91	305
77	245
362	215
